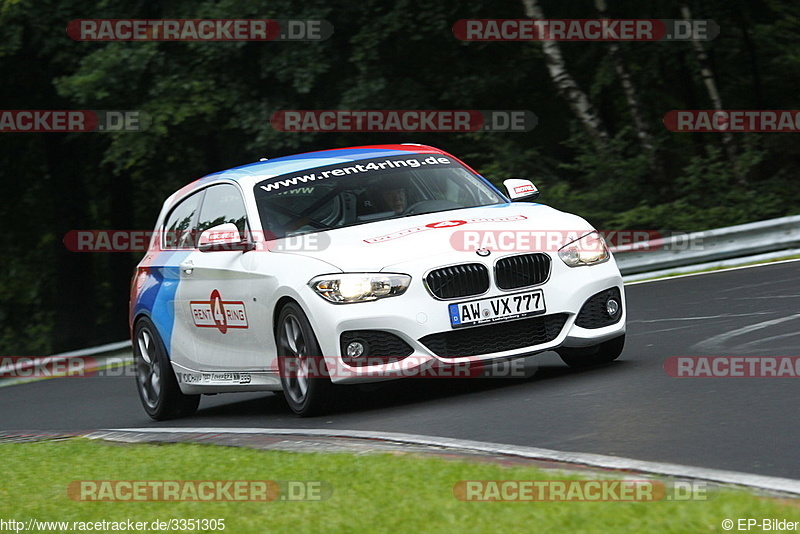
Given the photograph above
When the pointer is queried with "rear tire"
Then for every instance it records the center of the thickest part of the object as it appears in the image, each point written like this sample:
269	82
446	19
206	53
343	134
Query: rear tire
605	352
306	382
155	380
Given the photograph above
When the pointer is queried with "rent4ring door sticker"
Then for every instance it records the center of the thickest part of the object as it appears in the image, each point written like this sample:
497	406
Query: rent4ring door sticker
490	310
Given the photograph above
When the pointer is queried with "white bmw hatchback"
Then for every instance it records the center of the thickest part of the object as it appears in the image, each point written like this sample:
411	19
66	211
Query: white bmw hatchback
305	273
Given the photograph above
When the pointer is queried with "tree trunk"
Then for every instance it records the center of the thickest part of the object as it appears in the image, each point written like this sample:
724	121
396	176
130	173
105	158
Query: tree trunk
635	108
643	131
565	84
752	55
713	94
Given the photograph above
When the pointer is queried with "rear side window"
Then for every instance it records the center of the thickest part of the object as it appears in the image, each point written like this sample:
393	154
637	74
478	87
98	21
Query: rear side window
222	204
179	228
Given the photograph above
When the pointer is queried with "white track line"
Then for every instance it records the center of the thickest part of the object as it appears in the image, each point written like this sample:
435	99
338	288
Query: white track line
769	483
686	275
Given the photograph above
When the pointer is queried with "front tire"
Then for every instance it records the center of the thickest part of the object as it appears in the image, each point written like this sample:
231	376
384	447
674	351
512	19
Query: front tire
304	376
158	388
590	356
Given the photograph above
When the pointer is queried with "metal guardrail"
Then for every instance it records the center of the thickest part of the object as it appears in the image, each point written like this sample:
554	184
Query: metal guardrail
647	256
709	245
28	369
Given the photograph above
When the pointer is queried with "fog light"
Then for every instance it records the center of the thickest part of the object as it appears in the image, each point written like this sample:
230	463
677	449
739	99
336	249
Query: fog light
355	349
612	307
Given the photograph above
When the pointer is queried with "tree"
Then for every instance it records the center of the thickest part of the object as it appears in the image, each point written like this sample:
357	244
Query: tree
577	100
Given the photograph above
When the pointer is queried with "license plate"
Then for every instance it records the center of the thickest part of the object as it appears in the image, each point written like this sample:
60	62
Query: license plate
494	309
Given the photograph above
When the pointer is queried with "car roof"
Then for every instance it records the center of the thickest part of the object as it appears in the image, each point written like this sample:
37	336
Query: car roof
253	172
247	176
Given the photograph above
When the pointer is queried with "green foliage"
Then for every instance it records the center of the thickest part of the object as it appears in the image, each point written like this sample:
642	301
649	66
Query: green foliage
708	196
605	181
210	105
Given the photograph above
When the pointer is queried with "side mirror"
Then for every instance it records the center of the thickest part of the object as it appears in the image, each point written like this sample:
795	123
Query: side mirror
223	237
519	189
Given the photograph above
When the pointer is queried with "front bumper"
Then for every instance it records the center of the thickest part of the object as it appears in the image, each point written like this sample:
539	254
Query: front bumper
417	318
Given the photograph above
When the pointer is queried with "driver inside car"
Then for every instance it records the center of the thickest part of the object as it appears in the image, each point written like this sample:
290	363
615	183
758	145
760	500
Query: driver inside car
396	199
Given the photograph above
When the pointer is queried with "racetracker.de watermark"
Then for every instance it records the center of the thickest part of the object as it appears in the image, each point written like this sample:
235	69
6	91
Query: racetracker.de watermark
585	30
47	366
527	240
388	367
732	366
580	490
739	120
144	240
199	30
33	367
403	120
508	240
62	120
198	490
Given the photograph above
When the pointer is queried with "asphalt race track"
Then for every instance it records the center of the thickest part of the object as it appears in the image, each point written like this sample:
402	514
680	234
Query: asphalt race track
631	408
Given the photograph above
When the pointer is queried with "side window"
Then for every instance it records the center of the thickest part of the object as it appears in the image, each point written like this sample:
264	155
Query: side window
222	204
179	229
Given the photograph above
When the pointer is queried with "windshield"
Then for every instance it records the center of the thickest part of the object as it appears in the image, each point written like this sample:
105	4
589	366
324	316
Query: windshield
369	190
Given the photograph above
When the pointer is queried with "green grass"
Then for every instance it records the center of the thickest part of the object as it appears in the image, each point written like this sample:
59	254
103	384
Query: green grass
371	493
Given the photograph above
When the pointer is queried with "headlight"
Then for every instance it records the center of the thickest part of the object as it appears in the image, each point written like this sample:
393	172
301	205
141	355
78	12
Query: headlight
359	287
588	250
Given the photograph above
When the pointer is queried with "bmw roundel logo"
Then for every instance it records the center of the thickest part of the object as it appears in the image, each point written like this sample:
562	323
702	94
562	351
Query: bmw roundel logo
483	252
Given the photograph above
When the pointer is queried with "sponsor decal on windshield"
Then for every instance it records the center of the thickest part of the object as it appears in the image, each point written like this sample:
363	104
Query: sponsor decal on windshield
360	167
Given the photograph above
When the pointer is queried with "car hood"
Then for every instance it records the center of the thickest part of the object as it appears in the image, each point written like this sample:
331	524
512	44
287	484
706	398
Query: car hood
440	238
